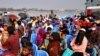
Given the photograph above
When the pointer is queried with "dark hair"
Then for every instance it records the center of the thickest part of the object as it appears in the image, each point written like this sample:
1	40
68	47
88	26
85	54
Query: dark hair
82	18
0	13
56	36
29	25
24	41
37	23
46	34
51	11
71	20
65	31
78	54
29	46
31	17
80	37
19	22
11	30
49	29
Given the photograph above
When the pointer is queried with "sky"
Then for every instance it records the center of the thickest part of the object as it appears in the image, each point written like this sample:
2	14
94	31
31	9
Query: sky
44	4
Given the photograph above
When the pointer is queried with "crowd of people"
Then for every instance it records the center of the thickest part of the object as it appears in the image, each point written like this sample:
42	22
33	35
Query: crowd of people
49	36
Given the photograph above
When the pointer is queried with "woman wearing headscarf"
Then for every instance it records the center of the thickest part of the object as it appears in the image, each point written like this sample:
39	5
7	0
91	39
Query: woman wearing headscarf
54	45
40	36
79	43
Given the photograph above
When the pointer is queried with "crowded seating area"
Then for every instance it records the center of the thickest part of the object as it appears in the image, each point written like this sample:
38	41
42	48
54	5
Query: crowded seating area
49	36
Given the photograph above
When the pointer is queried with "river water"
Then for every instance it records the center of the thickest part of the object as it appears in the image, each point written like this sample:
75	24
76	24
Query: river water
44	13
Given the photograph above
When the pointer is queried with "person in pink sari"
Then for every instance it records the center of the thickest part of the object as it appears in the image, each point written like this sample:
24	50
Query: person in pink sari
40	36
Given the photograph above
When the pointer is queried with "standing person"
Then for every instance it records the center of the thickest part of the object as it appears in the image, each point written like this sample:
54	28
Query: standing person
6	19
79	44
54	45
13	41
52	15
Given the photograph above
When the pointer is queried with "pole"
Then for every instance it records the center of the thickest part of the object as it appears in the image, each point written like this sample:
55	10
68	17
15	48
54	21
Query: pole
86	7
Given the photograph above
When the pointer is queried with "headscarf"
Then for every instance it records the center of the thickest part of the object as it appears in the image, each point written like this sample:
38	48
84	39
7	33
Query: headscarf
40	36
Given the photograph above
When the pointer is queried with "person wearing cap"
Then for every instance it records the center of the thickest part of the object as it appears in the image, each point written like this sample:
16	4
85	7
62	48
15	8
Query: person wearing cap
48	24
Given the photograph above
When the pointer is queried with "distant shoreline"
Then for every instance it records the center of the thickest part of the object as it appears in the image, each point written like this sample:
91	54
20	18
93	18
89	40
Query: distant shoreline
35	9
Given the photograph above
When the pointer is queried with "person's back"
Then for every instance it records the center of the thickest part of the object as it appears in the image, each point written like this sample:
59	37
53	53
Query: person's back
79	48
79	43
40	36
54	48
13	40
14	44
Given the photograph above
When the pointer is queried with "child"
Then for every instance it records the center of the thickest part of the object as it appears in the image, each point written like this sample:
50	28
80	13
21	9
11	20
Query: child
46	40
49	29
24	40
27	50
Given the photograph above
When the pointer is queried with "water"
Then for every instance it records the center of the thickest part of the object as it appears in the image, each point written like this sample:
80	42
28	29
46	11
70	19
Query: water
44	13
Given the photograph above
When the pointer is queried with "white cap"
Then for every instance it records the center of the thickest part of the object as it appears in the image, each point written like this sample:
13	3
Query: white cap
83	29
93	28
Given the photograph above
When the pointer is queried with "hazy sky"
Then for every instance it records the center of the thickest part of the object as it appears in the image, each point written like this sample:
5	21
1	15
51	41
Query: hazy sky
45	4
